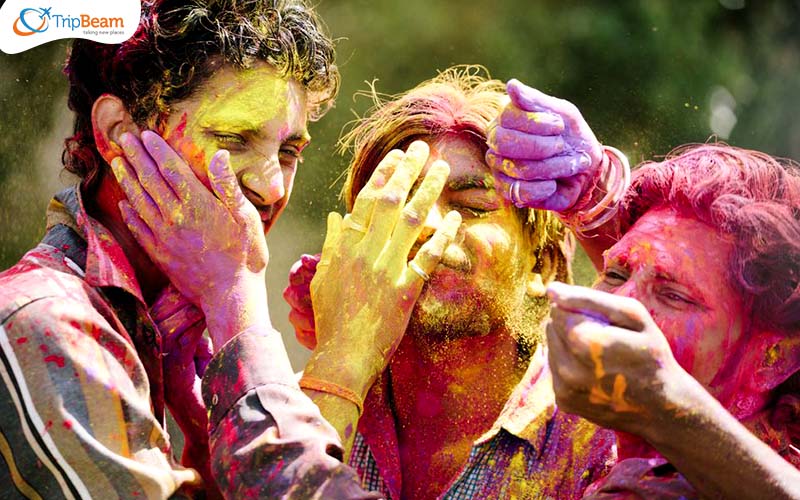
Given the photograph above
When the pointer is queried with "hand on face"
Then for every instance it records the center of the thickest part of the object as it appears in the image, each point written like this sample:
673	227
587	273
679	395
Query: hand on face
542	152
610	362
209	244
365	287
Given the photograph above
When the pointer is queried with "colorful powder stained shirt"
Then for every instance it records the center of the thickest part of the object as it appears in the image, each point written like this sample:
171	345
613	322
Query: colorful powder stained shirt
533	451
643	478
82	403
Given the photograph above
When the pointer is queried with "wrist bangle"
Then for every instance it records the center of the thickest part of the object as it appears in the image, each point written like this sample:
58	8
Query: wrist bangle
320	385
617	182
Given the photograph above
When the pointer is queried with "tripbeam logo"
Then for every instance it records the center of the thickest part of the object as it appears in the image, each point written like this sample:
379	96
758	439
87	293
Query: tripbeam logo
28	18
24	26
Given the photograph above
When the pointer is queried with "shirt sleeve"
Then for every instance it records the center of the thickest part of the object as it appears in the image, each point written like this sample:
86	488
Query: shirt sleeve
642	479
76	419
267	439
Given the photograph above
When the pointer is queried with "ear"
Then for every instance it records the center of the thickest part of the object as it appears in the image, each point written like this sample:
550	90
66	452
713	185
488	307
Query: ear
774	357
110	119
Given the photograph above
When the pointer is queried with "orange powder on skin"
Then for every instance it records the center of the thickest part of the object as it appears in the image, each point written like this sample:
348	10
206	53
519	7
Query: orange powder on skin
616	400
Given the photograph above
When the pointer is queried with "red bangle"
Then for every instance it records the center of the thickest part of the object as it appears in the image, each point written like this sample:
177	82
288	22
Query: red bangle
617	182
320	385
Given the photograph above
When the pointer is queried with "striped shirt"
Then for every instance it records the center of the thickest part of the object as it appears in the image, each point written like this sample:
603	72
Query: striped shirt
533	451
82	395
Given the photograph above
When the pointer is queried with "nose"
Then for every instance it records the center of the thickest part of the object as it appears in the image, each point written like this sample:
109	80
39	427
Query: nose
264	183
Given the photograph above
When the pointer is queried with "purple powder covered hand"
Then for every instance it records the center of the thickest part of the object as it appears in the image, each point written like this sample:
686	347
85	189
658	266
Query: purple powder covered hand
542	152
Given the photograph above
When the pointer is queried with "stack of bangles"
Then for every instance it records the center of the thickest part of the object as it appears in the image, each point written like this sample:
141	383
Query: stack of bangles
617	178
316	384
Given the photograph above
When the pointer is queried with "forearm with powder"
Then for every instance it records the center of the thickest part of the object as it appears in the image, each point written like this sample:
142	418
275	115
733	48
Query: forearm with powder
716	453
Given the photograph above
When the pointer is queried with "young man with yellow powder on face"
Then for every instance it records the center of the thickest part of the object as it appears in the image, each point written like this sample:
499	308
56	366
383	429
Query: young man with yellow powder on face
97	343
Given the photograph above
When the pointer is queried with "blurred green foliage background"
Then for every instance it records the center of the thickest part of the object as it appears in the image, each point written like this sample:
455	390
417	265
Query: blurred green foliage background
648	75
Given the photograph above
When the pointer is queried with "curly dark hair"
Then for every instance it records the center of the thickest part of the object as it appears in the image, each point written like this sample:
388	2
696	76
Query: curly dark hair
747	194
172	52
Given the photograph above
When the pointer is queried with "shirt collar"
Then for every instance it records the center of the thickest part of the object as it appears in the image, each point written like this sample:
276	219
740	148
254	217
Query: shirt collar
525	415
106	262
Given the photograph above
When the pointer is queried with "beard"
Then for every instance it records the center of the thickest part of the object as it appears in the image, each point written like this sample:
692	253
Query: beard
453	306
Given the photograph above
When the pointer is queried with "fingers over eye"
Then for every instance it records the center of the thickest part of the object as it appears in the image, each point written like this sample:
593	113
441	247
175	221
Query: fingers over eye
392	198
430	254
365	201
414	214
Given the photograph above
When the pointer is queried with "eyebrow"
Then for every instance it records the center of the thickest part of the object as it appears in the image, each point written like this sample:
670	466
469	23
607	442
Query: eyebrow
469	182
303	136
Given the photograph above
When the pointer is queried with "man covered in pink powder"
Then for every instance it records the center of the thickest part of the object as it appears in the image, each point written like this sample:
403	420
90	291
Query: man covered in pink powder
689	343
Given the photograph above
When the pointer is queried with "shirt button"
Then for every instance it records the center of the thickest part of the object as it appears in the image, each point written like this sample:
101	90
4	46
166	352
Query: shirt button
214	399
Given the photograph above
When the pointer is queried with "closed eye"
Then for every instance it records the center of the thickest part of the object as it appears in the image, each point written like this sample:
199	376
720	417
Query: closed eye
676	299
614	277
473	211
229	141
292	151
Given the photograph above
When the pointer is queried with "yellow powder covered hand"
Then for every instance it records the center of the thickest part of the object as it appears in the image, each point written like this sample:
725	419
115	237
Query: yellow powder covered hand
365	287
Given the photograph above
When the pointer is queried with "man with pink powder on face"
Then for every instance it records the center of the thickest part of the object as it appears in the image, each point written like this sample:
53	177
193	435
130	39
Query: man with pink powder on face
689	343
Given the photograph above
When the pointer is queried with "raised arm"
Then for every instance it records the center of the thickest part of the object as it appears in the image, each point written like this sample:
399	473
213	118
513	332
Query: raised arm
544	155
612	365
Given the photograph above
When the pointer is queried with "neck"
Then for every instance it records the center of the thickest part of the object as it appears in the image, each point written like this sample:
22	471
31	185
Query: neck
446	395
466	381
103	207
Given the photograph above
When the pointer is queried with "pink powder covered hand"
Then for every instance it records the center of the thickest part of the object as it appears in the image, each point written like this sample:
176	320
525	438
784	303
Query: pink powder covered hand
208	242
542	152
298	296
186	354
